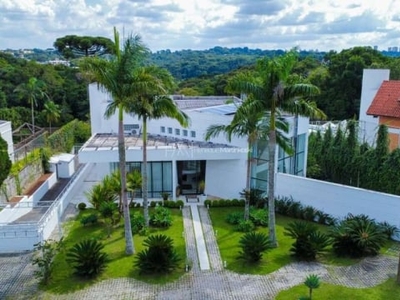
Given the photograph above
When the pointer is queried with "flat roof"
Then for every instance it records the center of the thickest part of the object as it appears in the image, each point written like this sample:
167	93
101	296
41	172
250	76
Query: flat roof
193	102
226	109
109	141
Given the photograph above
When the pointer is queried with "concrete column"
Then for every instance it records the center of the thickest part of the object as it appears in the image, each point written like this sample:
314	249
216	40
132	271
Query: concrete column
174	179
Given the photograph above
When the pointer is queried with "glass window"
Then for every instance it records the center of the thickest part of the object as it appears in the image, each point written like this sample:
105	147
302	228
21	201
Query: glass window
163	129
169	130
193	134
167	177
185	132
177	131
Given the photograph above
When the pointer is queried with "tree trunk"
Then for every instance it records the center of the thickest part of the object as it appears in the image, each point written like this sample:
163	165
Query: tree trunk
129	248
144	174
248	179
271	187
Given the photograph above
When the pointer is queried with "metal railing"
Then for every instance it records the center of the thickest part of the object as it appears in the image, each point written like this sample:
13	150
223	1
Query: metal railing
8	230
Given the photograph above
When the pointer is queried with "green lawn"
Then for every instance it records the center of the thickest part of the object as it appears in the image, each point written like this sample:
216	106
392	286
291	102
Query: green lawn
228	241
387	290
63	281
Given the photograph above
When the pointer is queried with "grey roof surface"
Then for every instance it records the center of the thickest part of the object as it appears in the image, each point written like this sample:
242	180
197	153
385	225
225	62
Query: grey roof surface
108	141
187	102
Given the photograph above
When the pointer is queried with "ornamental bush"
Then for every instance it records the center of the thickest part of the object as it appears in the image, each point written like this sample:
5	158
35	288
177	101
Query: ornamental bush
159	257
87	258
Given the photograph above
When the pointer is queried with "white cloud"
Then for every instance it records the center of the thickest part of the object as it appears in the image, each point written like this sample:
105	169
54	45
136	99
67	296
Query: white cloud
200	24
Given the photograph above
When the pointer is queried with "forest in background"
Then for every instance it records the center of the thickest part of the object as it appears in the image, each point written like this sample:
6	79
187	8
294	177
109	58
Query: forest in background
337	74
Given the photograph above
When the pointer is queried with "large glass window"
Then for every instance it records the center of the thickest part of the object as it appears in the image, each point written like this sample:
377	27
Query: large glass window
159	177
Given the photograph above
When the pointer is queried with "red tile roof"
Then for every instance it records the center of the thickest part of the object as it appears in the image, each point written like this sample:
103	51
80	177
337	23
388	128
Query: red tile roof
387	100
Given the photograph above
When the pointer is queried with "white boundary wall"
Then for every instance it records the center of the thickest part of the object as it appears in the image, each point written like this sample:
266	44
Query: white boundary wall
22	237
339	200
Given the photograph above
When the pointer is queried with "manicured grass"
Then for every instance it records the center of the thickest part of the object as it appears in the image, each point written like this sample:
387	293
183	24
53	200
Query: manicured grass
63	281
228	241
387	290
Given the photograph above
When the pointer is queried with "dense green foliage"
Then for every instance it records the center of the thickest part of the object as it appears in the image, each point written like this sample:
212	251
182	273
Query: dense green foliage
74	132
43	258
253	245
72	46
309	242
5	162
63	86
87	258
159	257
161	217
358	236
339	157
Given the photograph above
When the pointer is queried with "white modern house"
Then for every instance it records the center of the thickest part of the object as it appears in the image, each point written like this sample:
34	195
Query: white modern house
180	157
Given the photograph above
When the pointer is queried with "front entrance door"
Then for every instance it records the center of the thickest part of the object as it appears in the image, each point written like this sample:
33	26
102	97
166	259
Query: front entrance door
190	174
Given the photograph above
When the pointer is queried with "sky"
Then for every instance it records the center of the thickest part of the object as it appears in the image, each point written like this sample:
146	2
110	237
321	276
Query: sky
202	24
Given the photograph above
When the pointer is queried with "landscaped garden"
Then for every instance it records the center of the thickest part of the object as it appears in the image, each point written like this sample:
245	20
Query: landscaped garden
86	227
305	235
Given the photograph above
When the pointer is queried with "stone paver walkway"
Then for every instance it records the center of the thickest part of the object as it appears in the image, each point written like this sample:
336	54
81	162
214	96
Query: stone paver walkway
197	284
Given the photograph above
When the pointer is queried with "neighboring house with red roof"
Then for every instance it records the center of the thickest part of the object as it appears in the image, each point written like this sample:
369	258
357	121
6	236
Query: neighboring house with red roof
386	107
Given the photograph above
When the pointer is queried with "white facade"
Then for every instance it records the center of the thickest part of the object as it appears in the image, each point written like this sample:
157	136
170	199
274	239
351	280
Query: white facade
221	164
371	82
6	134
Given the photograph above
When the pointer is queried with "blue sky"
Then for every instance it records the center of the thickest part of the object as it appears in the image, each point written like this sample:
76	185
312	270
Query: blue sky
202	24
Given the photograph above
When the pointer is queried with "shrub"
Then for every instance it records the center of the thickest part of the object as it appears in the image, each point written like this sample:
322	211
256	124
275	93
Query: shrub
253	245
161	217
256	197
89	219
153	203
207	203
43	258
137	223
309	213
180	203
309	242
87	258
242	203
389	230
159	257
137	205
312	282
357	236
222	203
234	218
82	206
259	217
235	202
245	226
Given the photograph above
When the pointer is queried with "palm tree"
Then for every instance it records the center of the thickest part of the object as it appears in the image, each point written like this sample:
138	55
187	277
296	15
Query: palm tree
52	112
154	105
33	90
117	76
277	91
248	122
133	183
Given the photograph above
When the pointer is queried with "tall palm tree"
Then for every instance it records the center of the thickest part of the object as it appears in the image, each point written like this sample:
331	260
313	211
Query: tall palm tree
33	90
274	87
249	121
154	105
117	76
52	112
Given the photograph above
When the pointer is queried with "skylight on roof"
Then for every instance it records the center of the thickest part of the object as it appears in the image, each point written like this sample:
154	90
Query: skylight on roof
226	109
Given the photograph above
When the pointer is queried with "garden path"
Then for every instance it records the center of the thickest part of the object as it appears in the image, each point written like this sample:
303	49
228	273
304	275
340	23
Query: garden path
216	283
